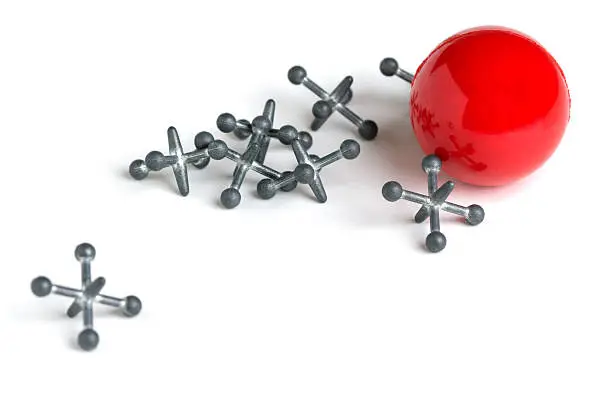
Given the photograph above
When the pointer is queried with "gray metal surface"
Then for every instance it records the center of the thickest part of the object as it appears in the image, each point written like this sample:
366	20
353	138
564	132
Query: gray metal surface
259	133
86	296
308	168
177	159
258	144
336	101
433	203
389	67
243	129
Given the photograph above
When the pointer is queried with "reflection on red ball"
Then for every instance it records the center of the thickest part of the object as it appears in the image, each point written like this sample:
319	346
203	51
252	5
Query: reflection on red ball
492	103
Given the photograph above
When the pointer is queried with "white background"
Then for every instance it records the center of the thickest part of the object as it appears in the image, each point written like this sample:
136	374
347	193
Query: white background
288	302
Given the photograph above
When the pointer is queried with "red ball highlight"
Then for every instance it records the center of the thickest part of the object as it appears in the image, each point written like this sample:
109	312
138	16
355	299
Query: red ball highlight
492	103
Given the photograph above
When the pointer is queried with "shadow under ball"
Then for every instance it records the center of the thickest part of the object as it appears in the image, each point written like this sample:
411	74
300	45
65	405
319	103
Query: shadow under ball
491	103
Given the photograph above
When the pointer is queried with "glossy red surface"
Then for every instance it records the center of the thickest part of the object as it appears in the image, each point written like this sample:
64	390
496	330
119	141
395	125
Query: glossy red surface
492	103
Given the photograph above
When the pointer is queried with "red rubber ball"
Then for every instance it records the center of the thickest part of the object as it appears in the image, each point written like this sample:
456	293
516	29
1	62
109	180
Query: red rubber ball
492	103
